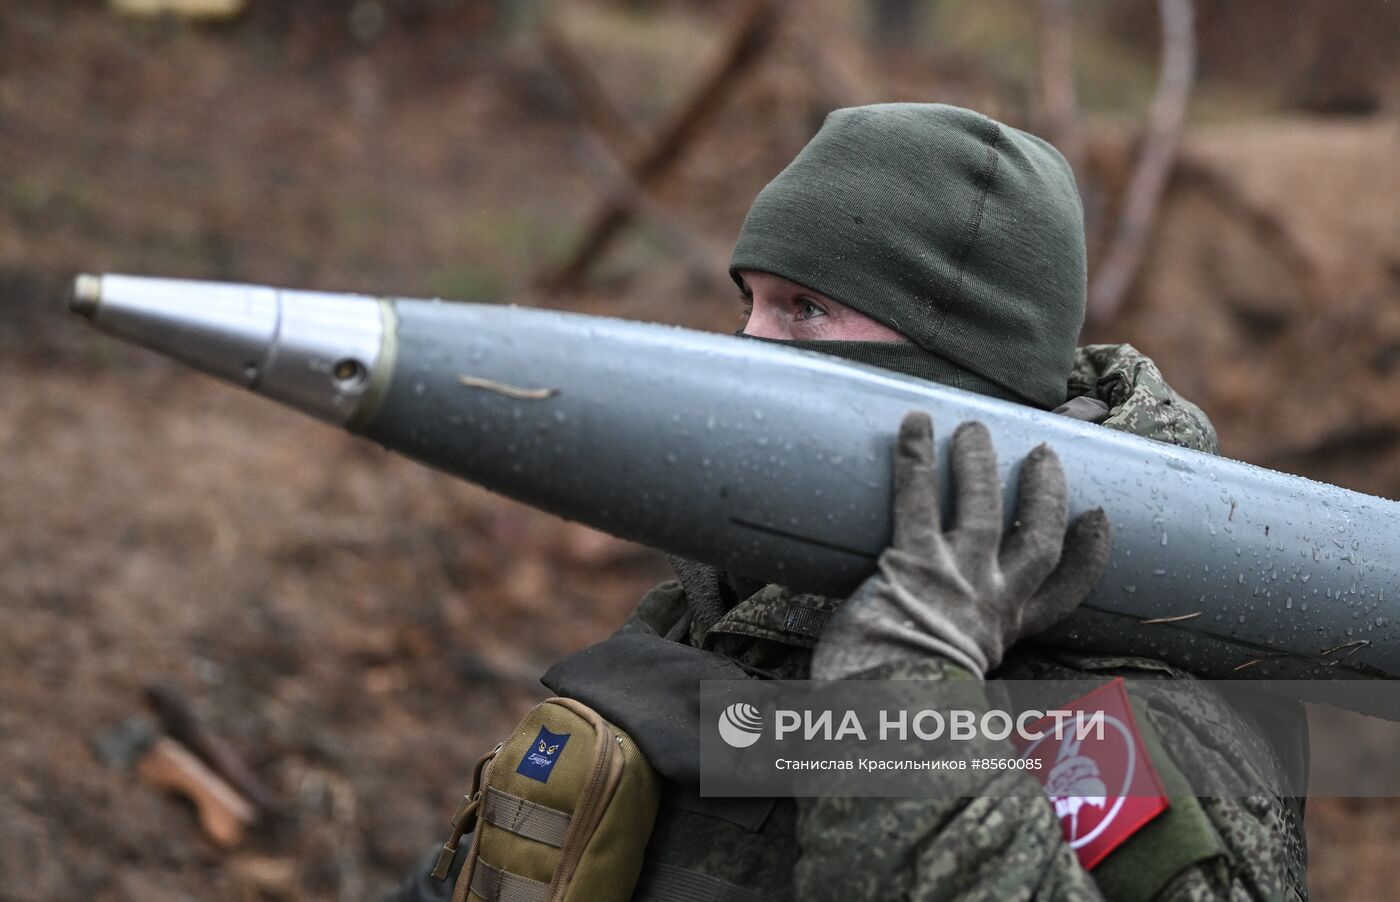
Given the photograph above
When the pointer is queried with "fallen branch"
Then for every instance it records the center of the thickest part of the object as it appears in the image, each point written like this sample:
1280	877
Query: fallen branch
1164	123
223	813
608	139
588	95
704	264
750	38
179	720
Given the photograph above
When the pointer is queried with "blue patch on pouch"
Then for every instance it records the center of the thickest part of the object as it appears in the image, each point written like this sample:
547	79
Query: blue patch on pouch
539	759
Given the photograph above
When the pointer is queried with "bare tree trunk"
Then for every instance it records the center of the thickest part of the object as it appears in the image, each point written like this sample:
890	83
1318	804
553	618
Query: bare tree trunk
1058	107
1165	119
894	23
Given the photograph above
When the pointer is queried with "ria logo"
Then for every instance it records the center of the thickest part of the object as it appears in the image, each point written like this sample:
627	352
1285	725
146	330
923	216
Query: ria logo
740	725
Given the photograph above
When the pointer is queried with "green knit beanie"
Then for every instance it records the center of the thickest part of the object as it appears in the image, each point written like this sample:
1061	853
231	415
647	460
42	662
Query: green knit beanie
960	233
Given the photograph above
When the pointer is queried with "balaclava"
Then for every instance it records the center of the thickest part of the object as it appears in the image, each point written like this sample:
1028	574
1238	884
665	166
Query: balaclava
958	232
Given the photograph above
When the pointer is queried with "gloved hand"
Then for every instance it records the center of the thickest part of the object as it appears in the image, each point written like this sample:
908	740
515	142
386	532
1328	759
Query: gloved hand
966	593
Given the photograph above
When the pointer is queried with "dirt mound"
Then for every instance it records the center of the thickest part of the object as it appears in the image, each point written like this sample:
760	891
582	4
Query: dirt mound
1269	295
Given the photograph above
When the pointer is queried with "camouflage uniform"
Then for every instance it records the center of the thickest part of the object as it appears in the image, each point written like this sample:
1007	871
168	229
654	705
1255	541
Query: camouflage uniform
1001	845
1138	398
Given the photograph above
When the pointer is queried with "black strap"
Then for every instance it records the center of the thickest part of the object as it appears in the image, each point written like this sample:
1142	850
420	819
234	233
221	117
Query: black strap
806	619
706	593
651	688
668	883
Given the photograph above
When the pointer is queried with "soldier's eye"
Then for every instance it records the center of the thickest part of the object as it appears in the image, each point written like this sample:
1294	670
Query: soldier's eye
808	308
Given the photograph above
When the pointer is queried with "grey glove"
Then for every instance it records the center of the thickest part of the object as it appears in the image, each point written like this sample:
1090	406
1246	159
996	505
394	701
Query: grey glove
966	593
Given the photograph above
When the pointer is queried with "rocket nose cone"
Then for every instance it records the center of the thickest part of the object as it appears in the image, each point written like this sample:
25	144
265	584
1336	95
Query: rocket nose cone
317	352
86	295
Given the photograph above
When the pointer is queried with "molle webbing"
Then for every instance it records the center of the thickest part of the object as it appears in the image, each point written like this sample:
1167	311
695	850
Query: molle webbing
525	818
494	885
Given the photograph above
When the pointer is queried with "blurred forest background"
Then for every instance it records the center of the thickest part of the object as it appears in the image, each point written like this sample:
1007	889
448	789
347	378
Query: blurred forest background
347	632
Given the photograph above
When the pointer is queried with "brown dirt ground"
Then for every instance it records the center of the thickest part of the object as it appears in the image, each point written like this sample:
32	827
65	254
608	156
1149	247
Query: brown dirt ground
361	627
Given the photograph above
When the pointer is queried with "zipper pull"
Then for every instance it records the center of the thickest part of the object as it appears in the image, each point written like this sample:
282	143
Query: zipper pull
465	817
463	820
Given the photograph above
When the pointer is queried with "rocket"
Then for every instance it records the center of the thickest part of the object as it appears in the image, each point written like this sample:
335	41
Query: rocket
774	463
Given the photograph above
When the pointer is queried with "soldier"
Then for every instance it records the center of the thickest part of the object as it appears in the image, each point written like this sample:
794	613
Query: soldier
937	242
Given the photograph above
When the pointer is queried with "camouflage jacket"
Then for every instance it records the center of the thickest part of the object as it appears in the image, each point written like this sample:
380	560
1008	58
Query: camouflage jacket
997	846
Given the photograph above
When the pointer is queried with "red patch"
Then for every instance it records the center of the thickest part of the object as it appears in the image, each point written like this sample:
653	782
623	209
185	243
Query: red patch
1103	786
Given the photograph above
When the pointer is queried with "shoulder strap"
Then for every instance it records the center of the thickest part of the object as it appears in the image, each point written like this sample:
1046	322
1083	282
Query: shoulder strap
668	883
705	591
648	686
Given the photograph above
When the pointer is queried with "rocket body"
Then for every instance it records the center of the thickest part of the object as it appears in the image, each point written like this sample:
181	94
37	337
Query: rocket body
775	463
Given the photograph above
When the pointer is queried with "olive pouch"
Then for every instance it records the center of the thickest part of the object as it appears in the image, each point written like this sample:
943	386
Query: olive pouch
562	812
